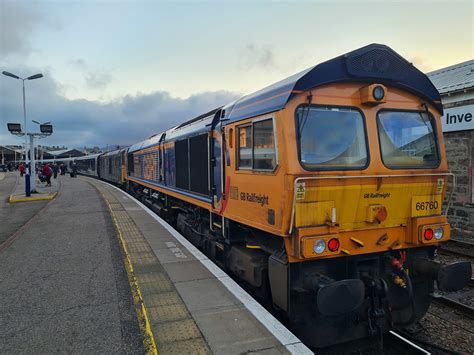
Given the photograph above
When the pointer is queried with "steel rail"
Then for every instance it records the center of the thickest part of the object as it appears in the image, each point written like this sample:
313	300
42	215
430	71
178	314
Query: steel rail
466	310
334	177
464	246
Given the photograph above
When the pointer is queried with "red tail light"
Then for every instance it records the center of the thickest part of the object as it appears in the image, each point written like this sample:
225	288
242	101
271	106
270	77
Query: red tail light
333	244
428	234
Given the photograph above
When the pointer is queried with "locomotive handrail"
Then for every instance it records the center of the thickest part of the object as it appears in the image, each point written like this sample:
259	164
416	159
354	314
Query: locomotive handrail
330	177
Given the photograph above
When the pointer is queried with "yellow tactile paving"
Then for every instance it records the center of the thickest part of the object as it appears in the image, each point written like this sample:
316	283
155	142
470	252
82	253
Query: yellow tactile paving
163	299
174	331
195	346
166	321
169	313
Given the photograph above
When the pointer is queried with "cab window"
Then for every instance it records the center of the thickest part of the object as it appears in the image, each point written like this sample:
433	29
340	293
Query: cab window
245	147
407	140
257	146
331	138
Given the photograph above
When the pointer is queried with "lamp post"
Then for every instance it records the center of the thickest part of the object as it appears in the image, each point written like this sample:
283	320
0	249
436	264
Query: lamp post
32	77
33	162
46	129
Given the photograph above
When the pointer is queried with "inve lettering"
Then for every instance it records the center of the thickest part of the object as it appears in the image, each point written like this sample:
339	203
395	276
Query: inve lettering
452	119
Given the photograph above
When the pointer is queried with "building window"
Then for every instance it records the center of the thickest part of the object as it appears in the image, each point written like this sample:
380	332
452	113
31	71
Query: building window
257	146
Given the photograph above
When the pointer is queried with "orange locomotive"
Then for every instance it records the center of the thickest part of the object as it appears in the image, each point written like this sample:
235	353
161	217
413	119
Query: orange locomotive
323	192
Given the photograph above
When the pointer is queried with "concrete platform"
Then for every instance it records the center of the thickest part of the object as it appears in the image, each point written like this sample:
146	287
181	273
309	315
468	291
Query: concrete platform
95	271
191	305
43	192
63	285
14	216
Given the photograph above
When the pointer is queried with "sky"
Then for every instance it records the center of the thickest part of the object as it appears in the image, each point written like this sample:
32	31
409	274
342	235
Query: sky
116	72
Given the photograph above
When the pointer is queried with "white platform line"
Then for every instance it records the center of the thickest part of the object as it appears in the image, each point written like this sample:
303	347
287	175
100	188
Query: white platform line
278	330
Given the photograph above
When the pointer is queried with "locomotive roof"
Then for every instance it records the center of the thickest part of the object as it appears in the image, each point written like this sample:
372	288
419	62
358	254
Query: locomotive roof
113	152
192	127
372	63
375	62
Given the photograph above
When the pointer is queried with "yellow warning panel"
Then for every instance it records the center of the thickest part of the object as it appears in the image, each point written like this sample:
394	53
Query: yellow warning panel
313	213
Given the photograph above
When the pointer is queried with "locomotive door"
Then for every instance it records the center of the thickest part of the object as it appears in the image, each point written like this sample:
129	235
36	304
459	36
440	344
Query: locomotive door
217	176
216	167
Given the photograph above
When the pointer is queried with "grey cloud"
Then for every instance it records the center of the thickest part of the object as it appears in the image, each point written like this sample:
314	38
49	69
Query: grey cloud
81	122
257	56
79	63
18	21
97	80
94	78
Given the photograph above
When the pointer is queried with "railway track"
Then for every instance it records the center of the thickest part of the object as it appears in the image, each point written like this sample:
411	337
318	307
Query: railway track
446	301
458	248
405	340
465	309
464	250
396	342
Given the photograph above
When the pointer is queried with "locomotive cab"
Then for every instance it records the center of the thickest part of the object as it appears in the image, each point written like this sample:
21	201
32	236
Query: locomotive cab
370	194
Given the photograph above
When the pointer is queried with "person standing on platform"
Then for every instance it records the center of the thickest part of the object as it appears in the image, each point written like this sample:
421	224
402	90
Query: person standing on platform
47	172
55	171
21	168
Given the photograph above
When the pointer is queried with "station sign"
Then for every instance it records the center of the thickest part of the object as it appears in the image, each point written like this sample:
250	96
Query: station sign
459	118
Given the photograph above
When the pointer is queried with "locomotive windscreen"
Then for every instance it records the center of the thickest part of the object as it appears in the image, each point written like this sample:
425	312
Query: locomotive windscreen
331	137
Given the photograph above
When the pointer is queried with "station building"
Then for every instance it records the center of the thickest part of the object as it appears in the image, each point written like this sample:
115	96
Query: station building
456	86
13	154
9	154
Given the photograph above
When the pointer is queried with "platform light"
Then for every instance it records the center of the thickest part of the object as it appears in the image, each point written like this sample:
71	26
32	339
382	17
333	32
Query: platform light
319	246
36	76
438	233
46	128
14	128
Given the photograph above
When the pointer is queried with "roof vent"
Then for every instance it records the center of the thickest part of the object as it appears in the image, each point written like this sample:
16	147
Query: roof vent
380	62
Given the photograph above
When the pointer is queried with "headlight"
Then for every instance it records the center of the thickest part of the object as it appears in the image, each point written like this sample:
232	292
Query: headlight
378	93
438	233
319	246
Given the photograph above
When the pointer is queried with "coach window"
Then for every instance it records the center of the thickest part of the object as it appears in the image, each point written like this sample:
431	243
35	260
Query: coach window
257	146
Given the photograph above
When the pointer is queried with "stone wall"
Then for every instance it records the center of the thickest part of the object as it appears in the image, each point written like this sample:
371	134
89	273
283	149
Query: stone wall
460	155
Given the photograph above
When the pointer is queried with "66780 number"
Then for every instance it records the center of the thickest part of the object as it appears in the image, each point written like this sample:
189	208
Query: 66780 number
427	205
